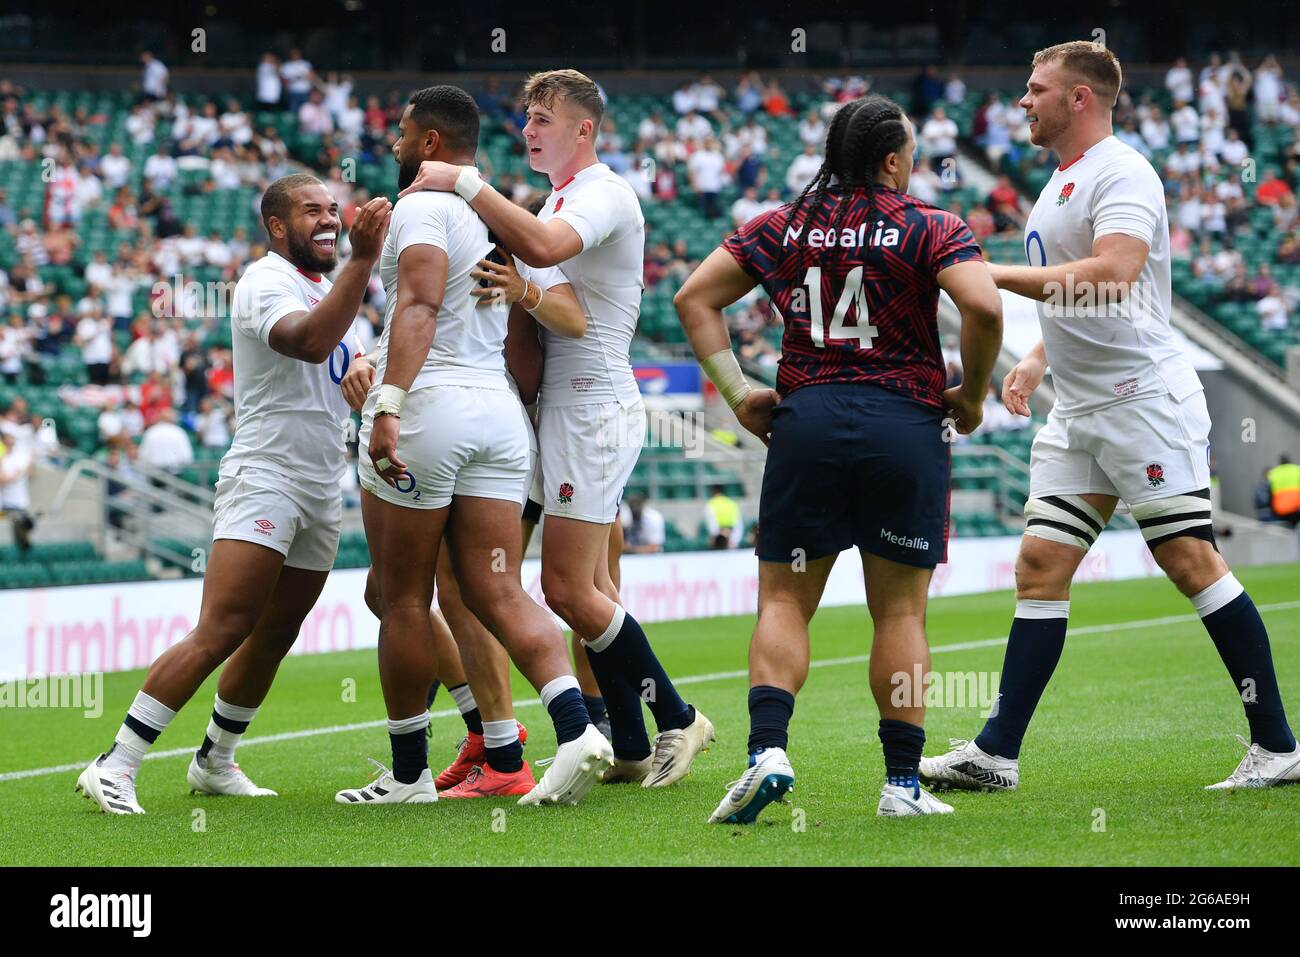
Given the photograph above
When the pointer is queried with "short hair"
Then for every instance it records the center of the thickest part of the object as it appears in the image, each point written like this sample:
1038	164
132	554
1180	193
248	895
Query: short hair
577	88
449	110
276	201
1094	63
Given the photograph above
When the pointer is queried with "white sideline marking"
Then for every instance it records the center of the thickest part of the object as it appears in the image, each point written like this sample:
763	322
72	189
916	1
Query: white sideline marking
687	680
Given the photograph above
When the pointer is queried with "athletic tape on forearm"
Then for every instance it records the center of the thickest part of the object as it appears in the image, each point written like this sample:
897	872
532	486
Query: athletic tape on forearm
724	371
390	399
468	183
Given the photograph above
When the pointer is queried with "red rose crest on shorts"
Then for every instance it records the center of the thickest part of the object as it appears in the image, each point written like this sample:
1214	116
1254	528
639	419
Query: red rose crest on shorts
1066	190
566	493
1155	475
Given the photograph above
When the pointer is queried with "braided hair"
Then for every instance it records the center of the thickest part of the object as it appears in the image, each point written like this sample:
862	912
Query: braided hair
862	133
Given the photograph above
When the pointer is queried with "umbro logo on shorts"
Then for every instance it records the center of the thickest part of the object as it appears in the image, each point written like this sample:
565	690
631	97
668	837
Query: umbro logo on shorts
264	525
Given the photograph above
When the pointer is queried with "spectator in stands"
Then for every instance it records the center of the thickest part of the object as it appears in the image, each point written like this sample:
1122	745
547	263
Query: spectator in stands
1178	81
153	77
927	89
925	184
1264	500
1269	91
722	519
160	169
746	207
708	172
1272	310
938	137
644	527
214	424
1129	135
94	337
165	445
15	344
980	221
269	84
775	101
749	93
313	117
1185	122
693	127
684	100
1272	189
812	129
296	74
803	168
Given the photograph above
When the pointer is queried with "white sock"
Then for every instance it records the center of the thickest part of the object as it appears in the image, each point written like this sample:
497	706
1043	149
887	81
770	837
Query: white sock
130	746
1038	608
557	686
603	641
465	702
406	725
1210	600
224	741
498	734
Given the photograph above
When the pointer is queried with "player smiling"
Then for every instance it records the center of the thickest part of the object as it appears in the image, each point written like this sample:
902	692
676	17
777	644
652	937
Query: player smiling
278	503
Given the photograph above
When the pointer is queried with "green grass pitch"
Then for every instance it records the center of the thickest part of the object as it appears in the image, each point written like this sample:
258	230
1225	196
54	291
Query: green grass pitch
1138	718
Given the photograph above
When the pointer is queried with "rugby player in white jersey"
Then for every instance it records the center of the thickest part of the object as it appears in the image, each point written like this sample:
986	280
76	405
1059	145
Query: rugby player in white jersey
448	450
471	662
278	501
1130	422
591	419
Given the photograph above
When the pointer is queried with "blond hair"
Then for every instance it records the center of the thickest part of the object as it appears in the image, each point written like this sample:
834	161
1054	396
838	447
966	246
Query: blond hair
1090	62
546	87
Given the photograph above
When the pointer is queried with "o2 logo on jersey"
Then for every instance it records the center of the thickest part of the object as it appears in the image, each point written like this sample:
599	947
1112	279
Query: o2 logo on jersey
341	348
1032	238
405	483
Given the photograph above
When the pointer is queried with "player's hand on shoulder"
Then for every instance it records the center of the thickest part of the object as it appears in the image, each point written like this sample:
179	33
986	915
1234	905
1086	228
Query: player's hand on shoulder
1020	384
966	411
357	382
433	175
497	281
384	432
755	412
369	229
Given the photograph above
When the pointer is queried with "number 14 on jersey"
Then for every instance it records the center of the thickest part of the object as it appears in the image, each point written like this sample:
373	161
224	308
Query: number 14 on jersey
853	296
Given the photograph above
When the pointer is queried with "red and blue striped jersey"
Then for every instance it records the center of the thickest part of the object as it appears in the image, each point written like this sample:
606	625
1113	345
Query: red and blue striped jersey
860	302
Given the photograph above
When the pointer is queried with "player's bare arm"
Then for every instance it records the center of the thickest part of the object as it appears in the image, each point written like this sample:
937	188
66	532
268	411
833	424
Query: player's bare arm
421	281
536	243
1116	262
717	283
524	353
972	289
556	308
311	336
357	382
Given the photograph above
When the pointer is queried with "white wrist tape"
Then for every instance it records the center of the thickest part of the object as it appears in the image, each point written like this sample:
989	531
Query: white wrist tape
724	371
468	183
389	401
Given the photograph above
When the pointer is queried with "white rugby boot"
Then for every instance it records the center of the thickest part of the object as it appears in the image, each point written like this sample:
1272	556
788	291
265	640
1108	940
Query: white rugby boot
576	767
769	778
967	768
675	751
386	789
898	801
227	779
1261	769
113	789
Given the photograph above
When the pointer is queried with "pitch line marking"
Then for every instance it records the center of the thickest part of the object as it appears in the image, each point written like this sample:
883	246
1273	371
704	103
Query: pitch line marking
687	680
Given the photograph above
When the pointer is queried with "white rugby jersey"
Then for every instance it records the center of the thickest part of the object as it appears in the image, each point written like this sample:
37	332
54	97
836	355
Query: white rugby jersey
607	278
469	337
1103	354
290	415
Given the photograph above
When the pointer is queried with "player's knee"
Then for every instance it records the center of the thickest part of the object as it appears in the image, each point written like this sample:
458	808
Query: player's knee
1191	564
372	595
1040	573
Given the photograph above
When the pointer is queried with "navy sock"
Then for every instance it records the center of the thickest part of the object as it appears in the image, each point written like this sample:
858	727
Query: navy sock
473	721
506	759
636	662
1241	639
433	693
1033	649
623	706
903	744
569	715
770	710
595	707
410	755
